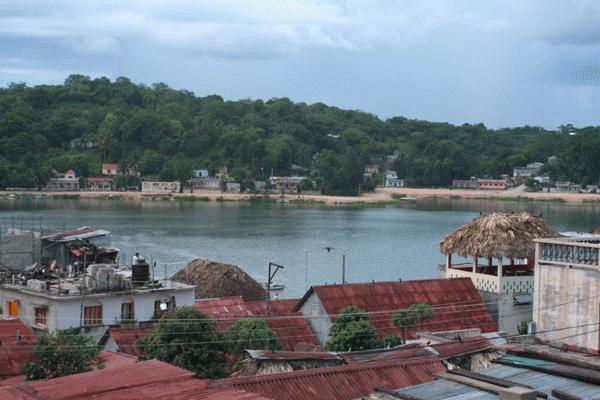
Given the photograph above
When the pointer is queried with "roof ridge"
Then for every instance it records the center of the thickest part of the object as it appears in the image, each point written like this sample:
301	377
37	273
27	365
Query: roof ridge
387	282
328	370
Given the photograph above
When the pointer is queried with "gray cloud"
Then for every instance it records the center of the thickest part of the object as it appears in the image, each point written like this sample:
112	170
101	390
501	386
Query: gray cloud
460	61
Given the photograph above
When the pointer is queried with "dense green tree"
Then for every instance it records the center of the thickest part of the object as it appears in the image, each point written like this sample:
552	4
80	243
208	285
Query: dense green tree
407	318
306	184
352	330
187	338
157	130
251	334
61	353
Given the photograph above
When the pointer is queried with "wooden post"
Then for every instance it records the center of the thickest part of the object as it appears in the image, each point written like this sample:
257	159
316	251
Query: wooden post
448	262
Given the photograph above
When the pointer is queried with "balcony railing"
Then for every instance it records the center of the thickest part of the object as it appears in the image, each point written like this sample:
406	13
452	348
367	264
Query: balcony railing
570	251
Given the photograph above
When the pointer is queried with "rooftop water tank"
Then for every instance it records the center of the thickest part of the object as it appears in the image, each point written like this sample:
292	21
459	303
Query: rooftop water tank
140	271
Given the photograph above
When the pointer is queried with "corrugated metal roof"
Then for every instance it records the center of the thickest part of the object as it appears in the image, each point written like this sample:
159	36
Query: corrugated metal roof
459	304
291	331
76	234
338	383
292	355
394	354
126	338
462	347
443	389
14	355
98	382
147	380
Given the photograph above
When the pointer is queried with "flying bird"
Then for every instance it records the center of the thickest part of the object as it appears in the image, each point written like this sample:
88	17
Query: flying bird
328	249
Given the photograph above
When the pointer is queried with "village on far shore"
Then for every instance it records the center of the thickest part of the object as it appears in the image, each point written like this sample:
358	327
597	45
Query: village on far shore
514	314
529	178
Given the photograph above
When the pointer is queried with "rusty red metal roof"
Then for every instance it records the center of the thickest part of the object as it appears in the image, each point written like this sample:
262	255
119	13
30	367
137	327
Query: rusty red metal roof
457	304
147	380
292	355
126	338
338	383
462	347
13	354
114	360
290	331
403	352
98	383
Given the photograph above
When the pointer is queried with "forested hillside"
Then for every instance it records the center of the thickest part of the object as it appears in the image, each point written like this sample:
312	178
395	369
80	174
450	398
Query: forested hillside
157	130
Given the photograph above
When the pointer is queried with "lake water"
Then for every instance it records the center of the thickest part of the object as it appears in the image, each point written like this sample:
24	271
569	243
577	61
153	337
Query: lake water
380	243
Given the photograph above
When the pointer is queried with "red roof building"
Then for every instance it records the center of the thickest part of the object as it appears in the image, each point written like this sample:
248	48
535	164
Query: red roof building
457	305
338	383
16	345
110	169
125	339
290	327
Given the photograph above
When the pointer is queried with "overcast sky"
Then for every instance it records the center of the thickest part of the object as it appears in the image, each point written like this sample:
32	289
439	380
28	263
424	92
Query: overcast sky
503	63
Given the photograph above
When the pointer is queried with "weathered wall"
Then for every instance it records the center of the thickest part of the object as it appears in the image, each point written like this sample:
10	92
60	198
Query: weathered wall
317	317
506	314
19	250
566	305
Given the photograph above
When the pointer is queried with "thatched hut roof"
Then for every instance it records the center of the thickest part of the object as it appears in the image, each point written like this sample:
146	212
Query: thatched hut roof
498	235
215	279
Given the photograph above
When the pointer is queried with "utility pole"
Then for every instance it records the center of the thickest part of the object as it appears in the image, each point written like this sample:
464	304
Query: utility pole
269	280
343	269
306	270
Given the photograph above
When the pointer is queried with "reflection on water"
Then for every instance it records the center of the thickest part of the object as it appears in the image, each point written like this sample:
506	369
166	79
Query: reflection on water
380	243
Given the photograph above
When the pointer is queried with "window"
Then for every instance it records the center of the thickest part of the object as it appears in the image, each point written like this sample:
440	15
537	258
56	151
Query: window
162	306
127	312
40	315
13	308
92	315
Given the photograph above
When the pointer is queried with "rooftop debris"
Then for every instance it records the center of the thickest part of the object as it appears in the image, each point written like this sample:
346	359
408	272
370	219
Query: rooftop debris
498	235
214	279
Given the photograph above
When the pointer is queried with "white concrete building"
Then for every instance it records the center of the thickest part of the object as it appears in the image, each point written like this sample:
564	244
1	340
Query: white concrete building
392	180
91	303
566	306
164	187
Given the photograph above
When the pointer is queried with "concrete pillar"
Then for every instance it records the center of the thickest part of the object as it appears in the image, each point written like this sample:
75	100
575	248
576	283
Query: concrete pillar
475	260
499	268
518	393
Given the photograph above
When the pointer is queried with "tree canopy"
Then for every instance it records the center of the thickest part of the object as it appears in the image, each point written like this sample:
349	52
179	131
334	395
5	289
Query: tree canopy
407	318
251	334
61	353
352	330
157	130
187	338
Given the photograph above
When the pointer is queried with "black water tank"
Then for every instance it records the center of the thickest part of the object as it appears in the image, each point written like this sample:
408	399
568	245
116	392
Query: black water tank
140	271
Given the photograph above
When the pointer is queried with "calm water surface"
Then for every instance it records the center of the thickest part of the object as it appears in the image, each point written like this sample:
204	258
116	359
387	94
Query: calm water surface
380	243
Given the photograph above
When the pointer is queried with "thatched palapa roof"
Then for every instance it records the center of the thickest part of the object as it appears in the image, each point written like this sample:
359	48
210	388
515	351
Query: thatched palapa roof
498	235
214	279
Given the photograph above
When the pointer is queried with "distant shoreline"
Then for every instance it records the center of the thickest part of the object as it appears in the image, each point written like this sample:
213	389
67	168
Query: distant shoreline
381	196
